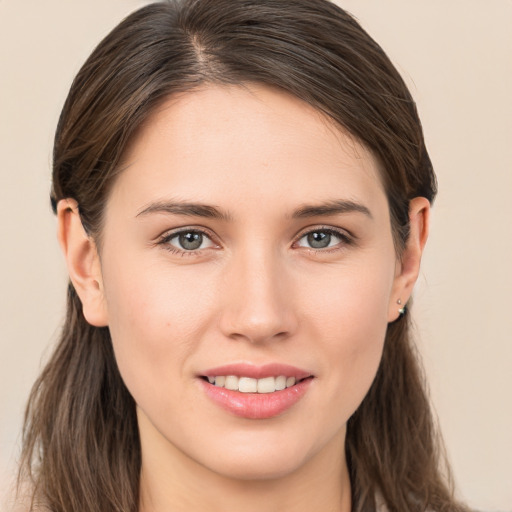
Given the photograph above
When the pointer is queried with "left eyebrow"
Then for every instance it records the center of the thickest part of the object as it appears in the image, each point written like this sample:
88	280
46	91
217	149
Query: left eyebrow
333	207
185	208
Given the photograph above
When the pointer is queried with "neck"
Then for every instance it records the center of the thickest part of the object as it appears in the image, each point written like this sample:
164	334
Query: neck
171	480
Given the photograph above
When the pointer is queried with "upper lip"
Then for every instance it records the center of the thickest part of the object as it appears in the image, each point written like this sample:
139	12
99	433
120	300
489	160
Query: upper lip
258	371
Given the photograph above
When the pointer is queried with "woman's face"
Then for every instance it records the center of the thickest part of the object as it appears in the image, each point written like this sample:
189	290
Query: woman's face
247	237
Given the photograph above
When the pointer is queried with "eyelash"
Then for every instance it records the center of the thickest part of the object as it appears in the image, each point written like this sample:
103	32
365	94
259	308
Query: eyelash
164	241
345	240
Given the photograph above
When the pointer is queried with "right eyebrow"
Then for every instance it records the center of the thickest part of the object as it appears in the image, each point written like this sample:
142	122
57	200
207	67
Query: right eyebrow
185	208
333	207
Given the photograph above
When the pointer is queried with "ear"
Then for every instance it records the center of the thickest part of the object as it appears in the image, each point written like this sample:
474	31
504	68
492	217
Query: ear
408	266
83	262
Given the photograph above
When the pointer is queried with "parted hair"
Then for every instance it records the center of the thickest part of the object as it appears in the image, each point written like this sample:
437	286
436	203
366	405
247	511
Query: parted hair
81	448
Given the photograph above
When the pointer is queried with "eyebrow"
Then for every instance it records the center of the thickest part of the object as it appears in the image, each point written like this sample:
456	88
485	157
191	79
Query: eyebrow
334	207
185	208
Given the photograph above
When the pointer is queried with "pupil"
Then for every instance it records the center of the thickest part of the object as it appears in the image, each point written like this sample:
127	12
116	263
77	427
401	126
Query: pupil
191	240
319	239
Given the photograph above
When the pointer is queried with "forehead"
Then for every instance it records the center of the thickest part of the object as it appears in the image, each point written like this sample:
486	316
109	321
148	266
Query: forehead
253	142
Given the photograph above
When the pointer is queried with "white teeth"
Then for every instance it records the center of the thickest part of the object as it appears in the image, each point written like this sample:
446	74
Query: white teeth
250	385
266	385
231	382
290	381
247	385
280	382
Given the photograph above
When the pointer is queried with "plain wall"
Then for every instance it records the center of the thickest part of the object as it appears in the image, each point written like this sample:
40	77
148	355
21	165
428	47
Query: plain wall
456	55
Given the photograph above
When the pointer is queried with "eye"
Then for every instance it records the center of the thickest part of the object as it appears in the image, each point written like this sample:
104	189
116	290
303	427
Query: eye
322	239
187	241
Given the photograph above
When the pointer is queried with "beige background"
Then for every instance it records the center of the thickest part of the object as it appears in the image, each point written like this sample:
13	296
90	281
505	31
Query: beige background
457	57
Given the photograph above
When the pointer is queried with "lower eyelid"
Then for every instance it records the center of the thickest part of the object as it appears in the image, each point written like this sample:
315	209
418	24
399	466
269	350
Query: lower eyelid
344	238
165	239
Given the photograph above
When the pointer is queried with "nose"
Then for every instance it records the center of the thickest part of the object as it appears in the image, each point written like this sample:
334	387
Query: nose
257	300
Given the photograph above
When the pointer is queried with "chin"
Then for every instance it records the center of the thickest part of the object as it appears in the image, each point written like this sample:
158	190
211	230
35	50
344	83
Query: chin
270	454
258	466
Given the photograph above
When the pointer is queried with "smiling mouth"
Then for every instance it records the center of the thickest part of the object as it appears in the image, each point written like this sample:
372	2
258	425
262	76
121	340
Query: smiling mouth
250	385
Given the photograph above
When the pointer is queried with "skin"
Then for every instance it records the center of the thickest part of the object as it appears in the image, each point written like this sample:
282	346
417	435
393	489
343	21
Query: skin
255	292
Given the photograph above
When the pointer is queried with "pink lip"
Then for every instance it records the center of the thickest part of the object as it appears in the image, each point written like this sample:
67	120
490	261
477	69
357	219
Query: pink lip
258	372
257	405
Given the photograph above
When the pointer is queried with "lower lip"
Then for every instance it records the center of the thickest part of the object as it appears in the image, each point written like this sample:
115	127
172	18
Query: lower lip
256	405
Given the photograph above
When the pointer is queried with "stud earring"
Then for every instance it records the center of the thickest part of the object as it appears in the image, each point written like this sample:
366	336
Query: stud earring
401	310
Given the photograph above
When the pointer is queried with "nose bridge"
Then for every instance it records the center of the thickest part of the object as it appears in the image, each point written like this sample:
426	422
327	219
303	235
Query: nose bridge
256	306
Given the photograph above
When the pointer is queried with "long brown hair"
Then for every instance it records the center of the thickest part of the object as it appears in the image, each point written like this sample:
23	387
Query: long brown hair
81	448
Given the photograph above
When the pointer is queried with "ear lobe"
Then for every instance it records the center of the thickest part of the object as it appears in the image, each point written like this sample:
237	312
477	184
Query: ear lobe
83	262
408	267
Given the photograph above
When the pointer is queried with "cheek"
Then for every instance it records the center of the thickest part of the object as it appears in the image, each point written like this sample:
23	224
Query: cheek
155	320
348	322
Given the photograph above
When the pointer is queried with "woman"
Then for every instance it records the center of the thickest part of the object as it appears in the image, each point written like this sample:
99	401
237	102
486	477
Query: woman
218	354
